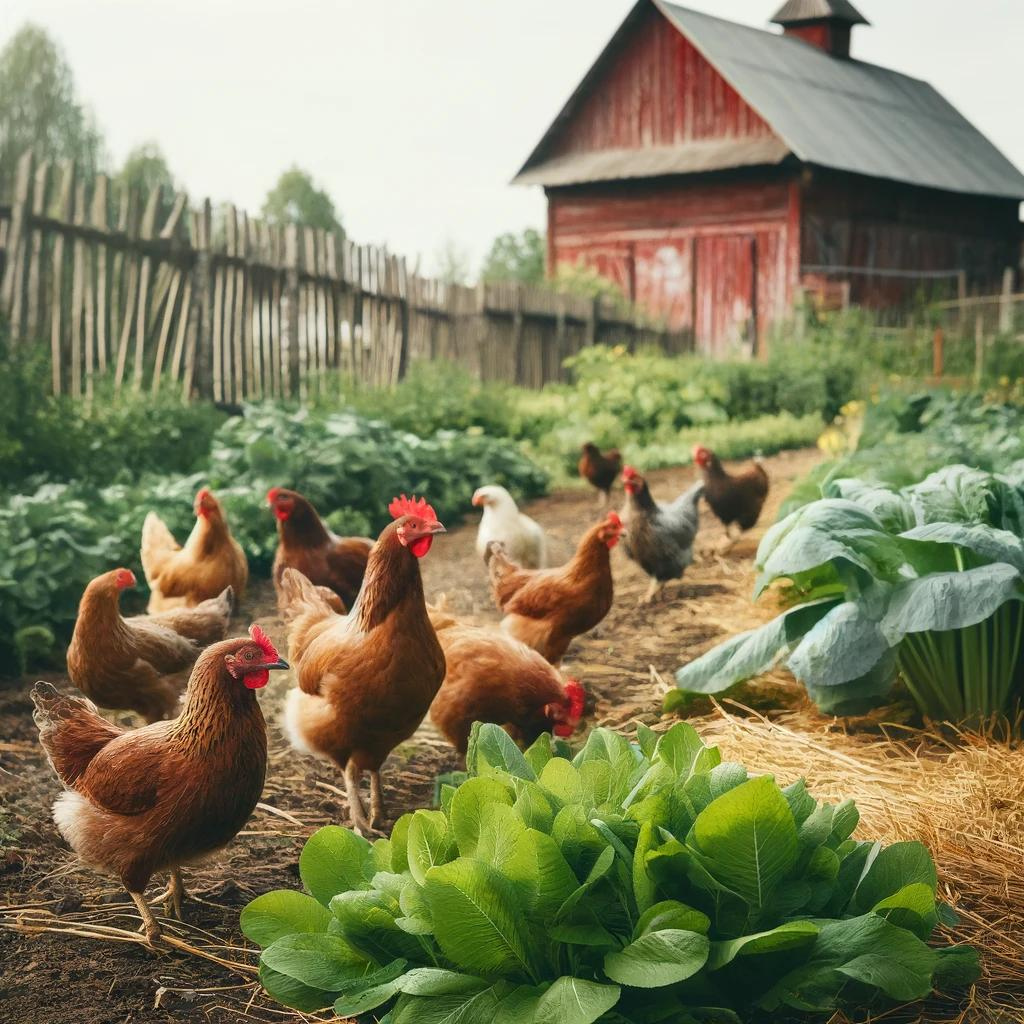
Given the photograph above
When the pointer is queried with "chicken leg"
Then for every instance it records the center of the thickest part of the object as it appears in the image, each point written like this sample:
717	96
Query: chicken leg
376	799
654	590
355	804
150	925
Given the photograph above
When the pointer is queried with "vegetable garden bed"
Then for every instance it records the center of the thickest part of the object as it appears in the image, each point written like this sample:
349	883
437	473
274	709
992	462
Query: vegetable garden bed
966	804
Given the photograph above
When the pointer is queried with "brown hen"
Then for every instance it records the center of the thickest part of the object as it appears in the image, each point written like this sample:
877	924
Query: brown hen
169	793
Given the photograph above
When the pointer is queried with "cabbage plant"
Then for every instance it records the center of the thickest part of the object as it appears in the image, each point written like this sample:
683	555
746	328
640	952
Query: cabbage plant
641	883
923	584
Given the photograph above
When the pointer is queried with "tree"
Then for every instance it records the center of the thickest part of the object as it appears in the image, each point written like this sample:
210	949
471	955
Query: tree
38	106
452	263
144	167
516	258
295	199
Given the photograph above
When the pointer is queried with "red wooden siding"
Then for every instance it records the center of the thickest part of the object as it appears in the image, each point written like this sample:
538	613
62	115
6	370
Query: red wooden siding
657	90
858	222
698	256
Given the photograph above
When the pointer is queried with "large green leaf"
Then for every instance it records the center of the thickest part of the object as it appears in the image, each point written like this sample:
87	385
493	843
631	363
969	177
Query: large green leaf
953	494
949	600
892	510
491	750
476	920
468	806
275	914
325	962
430	842
830	530
575	1001
455	1008
747	839
988	542
894	867
748	654
867	949
792	935
541	874
658	958
293	993
844	645
335	860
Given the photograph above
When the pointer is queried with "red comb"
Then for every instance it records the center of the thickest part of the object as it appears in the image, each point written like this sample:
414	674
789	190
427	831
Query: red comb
264	641
413	506
629	471
613	518
273	494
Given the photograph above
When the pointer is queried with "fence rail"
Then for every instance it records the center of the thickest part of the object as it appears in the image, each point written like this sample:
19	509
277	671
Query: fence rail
155	293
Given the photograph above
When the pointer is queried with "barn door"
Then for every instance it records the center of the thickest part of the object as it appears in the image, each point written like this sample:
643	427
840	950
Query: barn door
726	294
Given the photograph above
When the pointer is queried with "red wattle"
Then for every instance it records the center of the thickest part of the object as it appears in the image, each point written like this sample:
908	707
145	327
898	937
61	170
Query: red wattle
256	680
564	729
281	513
421	545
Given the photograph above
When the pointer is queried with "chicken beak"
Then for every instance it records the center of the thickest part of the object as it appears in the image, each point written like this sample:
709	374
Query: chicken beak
280	663
434	527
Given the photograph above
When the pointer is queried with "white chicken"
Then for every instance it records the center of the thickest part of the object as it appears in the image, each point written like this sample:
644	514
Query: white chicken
522	539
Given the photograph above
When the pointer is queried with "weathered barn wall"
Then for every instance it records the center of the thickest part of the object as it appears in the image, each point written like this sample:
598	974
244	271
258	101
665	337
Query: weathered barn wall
700	254
858	222
657	89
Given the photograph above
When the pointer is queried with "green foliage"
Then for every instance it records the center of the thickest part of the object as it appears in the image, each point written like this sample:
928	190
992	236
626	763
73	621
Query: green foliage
110	441
634	883
53	541
655	407
435	396
920	581
452	263
38	106
515	257
296	199
145	168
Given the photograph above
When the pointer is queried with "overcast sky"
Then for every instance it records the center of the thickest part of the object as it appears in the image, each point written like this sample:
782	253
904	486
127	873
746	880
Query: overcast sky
414	114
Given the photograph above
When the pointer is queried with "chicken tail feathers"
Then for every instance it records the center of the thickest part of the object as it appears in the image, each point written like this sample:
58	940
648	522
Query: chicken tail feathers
71	731
157	543
300	596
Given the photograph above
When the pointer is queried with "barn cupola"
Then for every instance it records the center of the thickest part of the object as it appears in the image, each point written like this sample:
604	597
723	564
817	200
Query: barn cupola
823	23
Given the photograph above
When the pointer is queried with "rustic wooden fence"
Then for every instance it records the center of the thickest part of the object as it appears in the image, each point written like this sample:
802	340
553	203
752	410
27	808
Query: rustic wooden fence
153	293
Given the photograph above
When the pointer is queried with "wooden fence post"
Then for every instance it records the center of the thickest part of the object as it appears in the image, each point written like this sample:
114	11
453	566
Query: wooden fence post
57	298
1006	302
938	354
17	246
979	349
290	310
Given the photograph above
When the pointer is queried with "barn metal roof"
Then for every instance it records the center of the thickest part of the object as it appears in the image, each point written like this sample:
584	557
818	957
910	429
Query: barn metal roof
850	115
839	113
654	161
795	11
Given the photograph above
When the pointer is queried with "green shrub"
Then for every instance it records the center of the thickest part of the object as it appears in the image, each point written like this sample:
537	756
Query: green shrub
62	439
632	884
903	561
55	540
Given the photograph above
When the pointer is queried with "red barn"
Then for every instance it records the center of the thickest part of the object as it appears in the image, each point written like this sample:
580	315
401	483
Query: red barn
712	169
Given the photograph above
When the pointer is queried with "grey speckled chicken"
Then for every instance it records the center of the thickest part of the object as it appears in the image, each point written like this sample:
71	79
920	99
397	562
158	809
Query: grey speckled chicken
659	537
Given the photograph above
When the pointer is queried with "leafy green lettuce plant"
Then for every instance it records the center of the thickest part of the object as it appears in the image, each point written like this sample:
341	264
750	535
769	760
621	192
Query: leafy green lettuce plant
925	584
639	883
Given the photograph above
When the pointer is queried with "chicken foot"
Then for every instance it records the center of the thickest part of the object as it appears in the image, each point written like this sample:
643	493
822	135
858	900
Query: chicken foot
356	810
173	896
654	590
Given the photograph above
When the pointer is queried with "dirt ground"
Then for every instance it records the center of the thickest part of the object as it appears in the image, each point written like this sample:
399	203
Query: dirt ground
61	976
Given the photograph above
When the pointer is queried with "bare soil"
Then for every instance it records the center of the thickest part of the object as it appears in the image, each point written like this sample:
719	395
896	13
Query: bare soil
65	976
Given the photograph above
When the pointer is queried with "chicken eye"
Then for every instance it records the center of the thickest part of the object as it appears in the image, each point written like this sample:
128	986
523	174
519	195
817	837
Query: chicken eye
249	655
